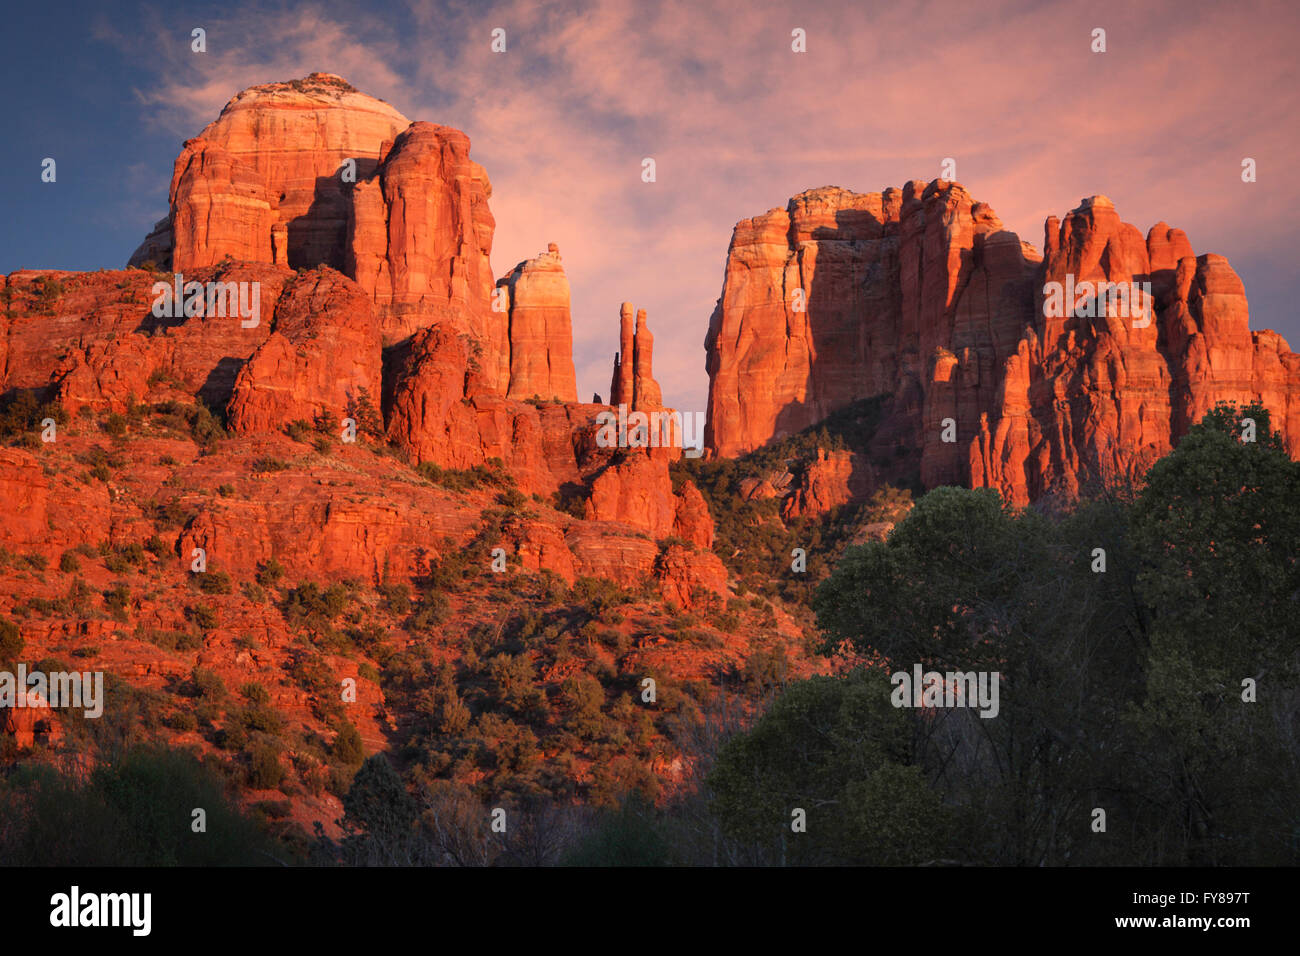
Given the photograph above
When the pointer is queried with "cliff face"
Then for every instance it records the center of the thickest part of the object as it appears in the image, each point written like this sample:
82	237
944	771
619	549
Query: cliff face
541	329
273	157
387	222
311	172
418	239
922	294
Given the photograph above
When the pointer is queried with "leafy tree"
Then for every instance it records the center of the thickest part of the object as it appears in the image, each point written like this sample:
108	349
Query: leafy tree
133	810
836	749
379	817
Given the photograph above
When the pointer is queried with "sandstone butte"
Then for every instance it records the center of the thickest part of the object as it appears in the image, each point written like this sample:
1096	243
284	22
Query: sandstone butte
376	290
921	295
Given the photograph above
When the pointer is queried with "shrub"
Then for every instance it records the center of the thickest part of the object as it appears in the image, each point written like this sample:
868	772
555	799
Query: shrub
207	684
255	693
204	615
270	574
117	599
11	641
115	425
265	772
396	597
309	603
171	640
183	721
347	748
212	582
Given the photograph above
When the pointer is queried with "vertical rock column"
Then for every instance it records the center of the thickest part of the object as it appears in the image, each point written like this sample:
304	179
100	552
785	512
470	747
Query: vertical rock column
645	390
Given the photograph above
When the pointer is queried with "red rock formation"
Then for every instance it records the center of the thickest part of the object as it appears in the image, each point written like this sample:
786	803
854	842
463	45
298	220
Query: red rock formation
25	492
100	344
686	576
287	143
540	330
320	361
825	484
35	719
631	491
633	381
311	172
692	521
410	321
645	390
621	389
920	293
221	208
418	239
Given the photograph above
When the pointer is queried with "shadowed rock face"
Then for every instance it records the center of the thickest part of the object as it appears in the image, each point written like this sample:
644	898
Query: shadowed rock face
922	294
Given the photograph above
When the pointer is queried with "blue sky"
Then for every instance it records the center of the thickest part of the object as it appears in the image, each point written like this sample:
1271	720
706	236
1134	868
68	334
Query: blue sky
737	125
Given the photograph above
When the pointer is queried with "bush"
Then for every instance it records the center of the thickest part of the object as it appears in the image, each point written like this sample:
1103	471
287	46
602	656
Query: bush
132	810
308	603
270	574
213	582
255	693
265	772
204	615
11	641
183	721
170	640
347	748
207	684
116	599
396	598
115	425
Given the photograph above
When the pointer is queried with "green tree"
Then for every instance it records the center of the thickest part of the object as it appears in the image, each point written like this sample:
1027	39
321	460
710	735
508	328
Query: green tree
379	817
836	749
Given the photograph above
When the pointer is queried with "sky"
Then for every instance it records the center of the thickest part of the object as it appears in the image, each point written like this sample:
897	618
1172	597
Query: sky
736	122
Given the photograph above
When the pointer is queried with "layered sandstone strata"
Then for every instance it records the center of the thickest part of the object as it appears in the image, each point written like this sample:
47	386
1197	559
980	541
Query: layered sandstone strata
285	145
540	329
920	293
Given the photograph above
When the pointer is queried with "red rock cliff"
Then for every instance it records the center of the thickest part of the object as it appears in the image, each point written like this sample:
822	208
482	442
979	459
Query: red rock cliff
921	293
